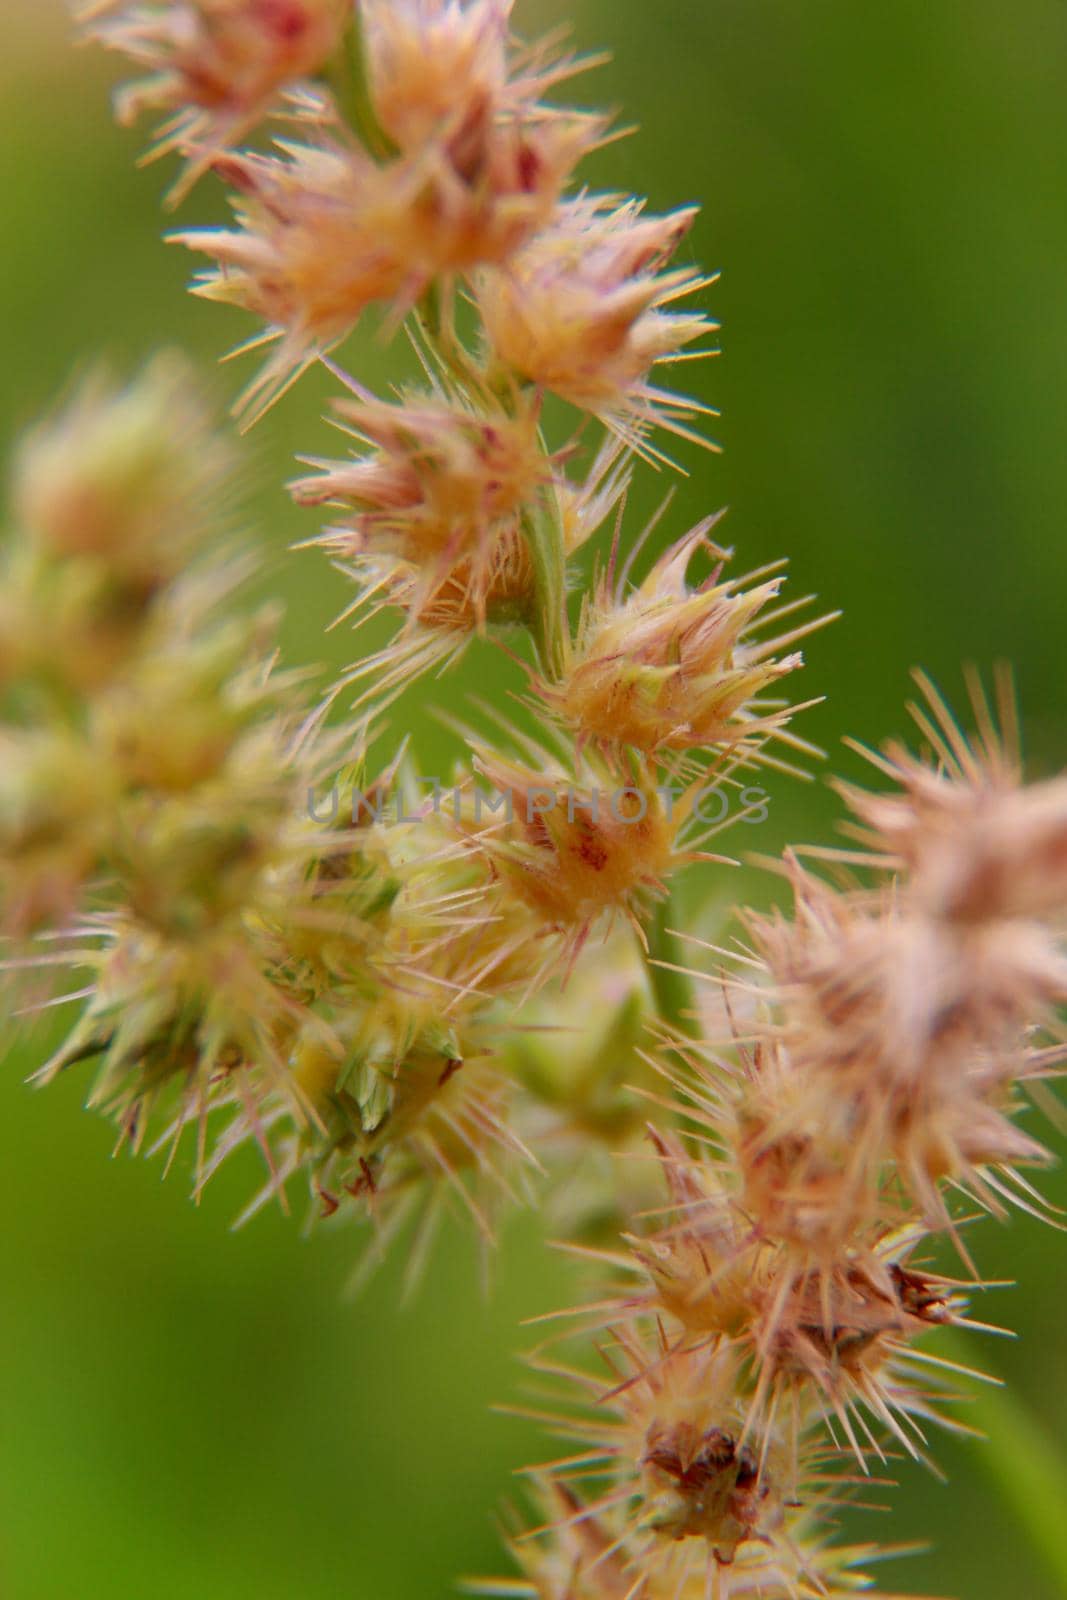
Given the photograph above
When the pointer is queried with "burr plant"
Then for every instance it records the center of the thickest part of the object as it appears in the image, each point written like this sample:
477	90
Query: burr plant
280	939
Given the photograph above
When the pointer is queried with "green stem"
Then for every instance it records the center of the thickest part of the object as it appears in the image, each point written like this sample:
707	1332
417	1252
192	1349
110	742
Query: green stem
443	344
348	77
544	539
671	988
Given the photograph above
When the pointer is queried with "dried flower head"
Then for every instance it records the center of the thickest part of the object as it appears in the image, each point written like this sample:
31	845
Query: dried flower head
451	69
131	477
836	1334
398	944
435	64
446	483
669	668
976	842
583	311
669	1458
214	67
324	231
813	1338
683	1425
187	1003
576	847
450	86
111	497
406	1129
581	1551
56	807
174	1025
320	238
901	1038
496	577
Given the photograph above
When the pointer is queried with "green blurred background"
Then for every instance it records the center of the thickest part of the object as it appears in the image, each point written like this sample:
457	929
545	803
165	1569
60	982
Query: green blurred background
193	1414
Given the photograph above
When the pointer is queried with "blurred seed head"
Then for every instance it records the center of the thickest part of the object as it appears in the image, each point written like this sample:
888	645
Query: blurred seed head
213	67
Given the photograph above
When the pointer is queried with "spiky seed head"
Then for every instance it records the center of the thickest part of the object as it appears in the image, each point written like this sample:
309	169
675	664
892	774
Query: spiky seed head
491	579
415	1123
575	848
436	67
214	67
844	1333
128	477
583	310
812	1330
57	800
319	239
976	841
452	91
584	1550
324	232
698	1479
437	472
900	1038
673	1435
444	486
668	667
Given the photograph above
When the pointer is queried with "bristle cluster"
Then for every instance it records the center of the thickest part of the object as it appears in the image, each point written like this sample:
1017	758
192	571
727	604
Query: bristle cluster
668	668
409	1000
264	966
853	1097
213	67
435	165
585	312
433	156
276	945
910	1012
437	504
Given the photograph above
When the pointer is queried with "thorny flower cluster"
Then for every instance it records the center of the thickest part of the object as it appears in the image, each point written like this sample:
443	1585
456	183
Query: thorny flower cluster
354	995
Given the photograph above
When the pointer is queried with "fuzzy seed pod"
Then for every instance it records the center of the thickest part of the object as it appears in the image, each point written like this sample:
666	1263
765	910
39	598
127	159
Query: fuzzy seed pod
445	485
976	842
583	312
324	232
131	477
438	67
56	807
577	848
214	67
668	668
